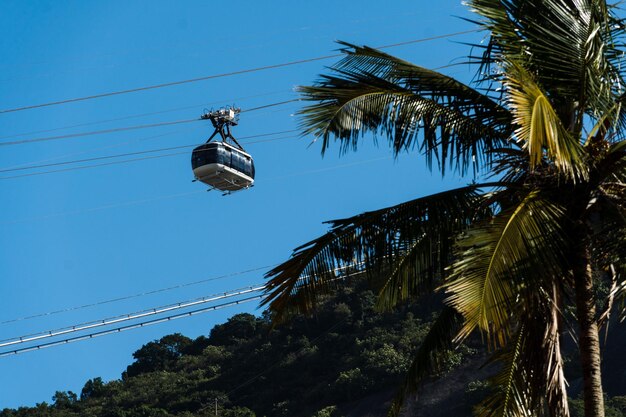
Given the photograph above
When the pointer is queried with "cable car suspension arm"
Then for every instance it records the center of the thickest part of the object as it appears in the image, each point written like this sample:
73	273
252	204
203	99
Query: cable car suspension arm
222	120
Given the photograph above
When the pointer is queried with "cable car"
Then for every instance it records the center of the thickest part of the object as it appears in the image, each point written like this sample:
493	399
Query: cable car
221	165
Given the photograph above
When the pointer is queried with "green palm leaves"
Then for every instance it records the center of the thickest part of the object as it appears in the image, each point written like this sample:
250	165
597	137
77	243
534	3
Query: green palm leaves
570	46
498	261
539	129
373	92
408	239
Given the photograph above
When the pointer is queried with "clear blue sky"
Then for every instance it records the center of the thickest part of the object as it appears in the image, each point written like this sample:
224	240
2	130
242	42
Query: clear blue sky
83	236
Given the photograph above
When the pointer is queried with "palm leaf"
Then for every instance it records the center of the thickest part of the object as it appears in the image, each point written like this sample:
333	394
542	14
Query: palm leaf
530	378
494	260
620	294
510	397
374	241
551	374
571	47
538	126
372	92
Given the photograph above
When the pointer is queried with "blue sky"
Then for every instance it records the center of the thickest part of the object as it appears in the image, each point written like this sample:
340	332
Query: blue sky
84	236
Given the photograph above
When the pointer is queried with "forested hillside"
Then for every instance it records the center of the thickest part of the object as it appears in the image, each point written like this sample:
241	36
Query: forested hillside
345	361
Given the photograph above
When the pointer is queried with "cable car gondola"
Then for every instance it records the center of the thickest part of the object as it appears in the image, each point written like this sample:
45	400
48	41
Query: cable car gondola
222	165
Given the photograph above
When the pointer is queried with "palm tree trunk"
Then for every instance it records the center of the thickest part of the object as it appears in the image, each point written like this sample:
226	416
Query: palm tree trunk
589	341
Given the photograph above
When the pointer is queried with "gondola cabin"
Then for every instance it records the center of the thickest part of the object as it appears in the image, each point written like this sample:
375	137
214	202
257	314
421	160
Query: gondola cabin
222	166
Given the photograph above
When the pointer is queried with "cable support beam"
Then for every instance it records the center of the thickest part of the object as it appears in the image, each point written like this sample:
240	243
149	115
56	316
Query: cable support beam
128	327
127	317
225	74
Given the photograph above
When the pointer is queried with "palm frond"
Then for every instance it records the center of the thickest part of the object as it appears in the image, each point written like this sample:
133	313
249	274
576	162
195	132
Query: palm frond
551	362
620	295
530	379
428	358
510	165
493	262
618	117
511	397
538	126
421	259
374	241
572	47
375	93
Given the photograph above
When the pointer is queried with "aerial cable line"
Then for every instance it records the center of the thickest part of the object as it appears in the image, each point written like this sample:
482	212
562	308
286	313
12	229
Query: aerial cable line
128	317
99	158
176	195
135	116
116	145
153	311
96	132
184	153
106	146
163	319
226	74
129	327
137	295
331	168
270	105
145	158
125	128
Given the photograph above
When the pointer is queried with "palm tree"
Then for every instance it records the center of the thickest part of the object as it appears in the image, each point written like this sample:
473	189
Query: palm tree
518	256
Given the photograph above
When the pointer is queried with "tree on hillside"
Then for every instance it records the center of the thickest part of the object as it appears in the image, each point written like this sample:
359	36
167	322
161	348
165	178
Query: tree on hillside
542	126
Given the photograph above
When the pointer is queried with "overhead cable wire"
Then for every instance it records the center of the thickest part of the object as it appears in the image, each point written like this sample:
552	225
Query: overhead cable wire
137	295
128	317
116	145
177	195
128	327
159	320
332	168
172	307
42	163
135	116
160	290
126	128
225	74
99	158
270	105
145	158
97	132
